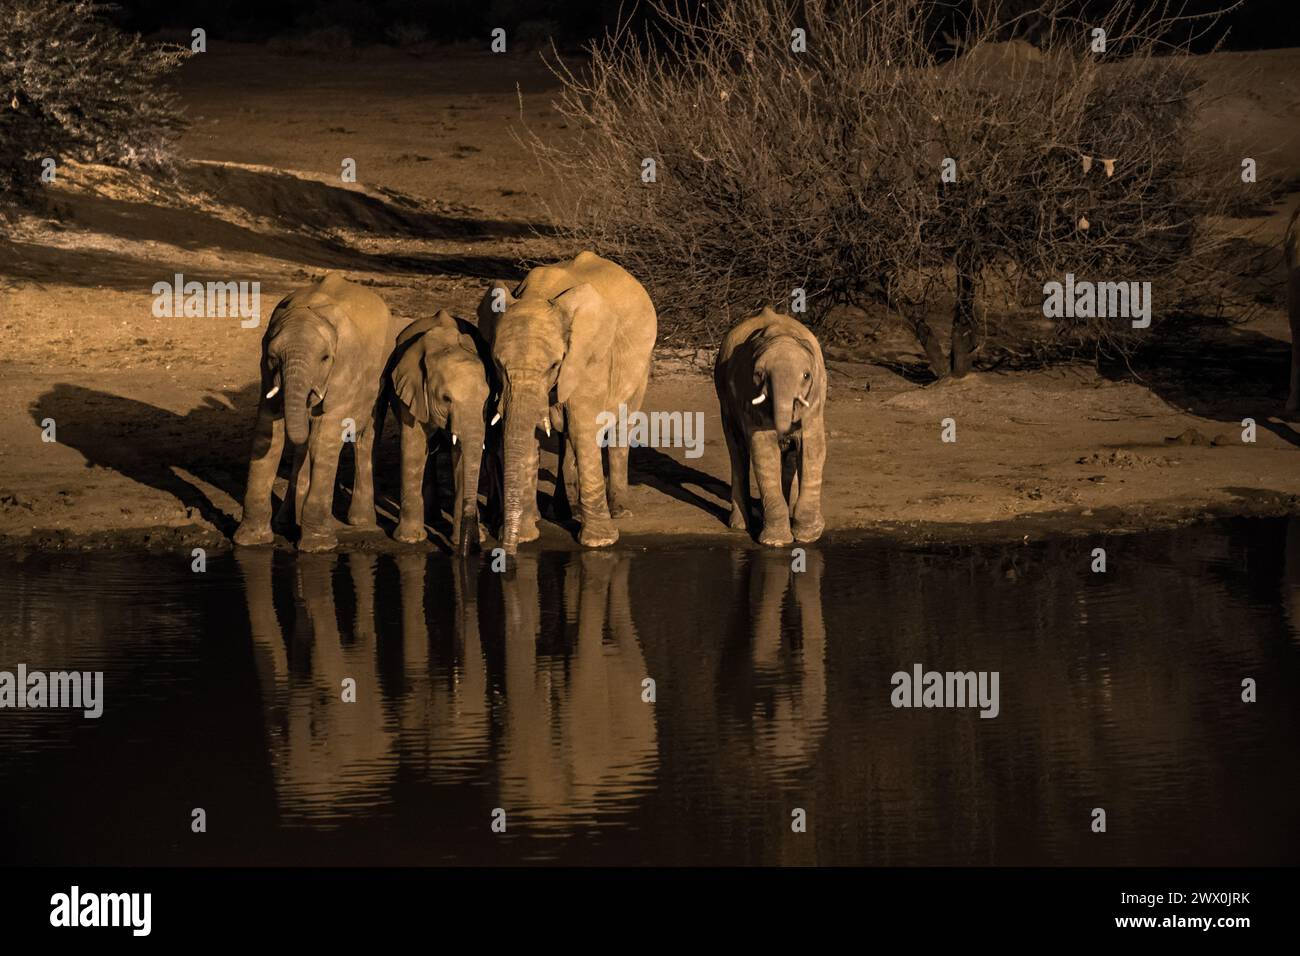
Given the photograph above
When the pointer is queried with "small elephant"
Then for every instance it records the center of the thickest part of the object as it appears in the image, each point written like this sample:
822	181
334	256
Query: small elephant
573	340
323	359
442	378
771	383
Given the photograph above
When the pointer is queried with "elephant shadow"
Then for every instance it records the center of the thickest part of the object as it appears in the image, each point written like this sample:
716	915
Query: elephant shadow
178	453
646	466
649	466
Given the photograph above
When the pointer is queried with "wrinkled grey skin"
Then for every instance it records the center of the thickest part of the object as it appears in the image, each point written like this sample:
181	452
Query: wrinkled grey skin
323	358
441	383
776	360
574	339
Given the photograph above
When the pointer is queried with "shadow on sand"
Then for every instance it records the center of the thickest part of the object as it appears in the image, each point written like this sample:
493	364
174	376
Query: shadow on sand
1224	375
268	213
169	452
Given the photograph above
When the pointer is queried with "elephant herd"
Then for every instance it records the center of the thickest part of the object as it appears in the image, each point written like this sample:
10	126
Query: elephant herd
559	352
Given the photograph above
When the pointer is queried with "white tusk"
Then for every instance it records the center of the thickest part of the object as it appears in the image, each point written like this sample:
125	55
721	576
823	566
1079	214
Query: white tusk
495	418
273	392
762	397
802	401
453	438
546	423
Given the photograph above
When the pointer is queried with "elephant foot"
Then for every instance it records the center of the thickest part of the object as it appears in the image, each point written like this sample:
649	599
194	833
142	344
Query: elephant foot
412	533
313	542
249	535
363	518
528	531
739	521
598	534
776	535
809	531
620	511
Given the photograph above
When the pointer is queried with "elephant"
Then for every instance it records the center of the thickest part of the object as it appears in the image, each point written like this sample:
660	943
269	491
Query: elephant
1292	247
573	340
442	377
771	384
331	337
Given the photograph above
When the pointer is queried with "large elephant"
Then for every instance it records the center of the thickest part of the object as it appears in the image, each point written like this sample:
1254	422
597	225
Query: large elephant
442	380
574	339
323	359
771	383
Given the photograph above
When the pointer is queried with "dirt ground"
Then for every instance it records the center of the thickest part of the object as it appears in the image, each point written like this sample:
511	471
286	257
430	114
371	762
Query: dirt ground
153	415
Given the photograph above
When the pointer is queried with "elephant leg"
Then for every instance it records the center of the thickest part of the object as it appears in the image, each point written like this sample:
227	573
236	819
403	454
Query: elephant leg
597	527
564	496
616	491
619	456
808	523
765	453
739	453
571	489
264	461
790	474
317	528
361	512
415	455
290	513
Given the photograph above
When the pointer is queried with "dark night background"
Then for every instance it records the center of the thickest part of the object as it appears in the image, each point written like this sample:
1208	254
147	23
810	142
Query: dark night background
1259	24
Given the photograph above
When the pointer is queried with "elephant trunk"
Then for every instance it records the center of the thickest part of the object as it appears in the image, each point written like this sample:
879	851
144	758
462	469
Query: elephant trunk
783	396
470	443
520	461
297	386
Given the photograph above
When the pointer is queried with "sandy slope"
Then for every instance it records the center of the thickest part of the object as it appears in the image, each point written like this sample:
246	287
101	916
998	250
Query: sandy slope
153	414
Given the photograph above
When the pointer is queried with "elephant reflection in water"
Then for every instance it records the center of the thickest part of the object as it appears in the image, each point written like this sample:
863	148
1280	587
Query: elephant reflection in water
566	724
328	758
444	712
788	660
578	736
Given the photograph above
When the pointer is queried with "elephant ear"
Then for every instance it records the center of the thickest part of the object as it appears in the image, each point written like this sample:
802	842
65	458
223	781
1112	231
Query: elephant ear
408	382
591	337
495	301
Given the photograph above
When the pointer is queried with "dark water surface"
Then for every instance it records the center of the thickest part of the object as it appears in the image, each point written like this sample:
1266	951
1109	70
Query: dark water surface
477	691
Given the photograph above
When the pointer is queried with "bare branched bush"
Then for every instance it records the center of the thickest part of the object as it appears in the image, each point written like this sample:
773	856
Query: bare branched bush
73	85
824	169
